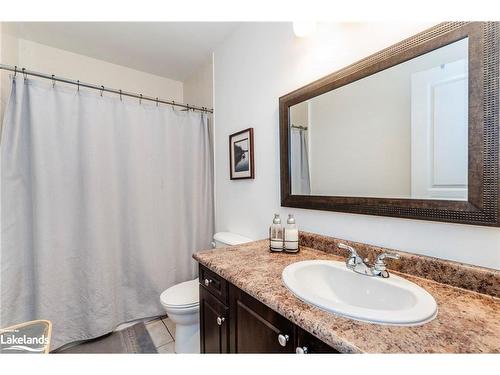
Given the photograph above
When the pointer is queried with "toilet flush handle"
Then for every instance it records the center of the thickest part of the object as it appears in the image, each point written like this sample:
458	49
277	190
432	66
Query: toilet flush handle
208	282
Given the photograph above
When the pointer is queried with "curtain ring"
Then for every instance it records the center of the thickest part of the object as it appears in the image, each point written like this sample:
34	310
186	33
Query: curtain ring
102	90
25	74
15	71
120	94
53	81
173	103
140	99
78	85
157	101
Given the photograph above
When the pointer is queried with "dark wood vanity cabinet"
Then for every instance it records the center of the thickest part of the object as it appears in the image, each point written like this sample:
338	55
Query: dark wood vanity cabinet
308	344
255	328
231	321
214	331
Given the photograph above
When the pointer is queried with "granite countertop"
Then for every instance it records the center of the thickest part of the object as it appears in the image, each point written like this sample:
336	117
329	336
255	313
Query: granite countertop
467	321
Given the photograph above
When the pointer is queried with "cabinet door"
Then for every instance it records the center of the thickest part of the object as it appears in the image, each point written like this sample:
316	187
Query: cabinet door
214	333
309	344
255	328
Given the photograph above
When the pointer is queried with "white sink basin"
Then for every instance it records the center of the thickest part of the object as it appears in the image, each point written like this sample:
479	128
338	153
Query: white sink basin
331	286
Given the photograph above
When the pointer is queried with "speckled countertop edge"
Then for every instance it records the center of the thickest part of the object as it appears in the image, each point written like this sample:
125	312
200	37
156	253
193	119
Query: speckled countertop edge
466	276
467	322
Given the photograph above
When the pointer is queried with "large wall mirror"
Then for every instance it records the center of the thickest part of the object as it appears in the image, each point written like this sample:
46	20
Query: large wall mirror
411	131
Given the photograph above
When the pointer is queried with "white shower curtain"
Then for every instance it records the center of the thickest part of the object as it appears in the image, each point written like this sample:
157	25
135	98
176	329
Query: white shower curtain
103	203
301	182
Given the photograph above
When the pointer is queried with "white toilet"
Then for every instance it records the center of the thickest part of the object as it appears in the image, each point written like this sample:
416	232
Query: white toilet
182	302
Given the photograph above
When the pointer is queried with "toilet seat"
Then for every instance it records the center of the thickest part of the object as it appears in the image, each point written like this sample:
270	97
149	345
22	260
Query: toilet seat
183	296
180	306
171	312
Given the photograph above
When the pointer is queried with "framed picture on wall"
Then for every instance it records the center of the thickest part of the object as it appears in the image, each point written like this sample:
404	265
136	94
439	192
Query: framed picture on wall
241	162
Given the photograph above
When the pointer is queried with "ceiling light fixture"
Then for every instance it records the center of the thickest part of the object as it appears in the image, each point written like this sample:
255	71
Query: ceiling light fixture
304	28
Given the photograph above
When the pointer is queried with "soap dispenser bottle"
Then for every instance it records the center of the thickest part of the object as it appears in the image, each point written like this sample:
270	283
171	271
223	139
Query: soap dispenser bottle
276	235
291	242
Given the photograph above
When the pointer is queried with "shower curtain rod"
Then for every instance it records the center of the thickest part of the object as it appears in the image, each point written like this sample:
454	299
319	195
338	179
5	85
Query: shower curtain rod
102	89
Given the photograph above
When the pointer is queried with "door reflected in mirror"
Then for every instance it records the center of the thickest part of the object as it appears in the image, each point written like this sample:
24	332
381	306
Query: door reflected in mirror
399	133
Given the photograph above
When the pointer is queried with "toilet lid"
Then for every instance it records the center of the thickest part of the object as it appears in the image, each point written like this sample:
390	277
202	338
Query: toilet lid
230	239
183	294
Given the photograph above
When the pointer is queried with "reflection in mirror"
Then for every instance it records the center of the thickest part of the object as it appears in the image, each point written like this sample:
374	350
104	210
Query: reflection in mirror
399	133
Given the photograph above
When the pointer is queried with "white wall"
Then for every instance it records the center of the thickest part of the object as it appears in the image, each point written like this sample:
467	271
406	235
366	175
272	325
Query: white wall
252	69
360	138
45	59
363	130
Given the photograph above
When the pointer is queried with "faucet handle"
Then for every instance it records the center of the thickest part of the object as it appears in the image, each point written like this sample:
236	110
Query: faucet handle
380	265
348	248
382	256
353	259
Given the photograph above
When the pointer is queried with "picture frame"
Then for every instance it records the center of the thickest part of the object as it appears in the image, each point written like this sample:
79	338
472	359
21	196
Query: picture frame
241	160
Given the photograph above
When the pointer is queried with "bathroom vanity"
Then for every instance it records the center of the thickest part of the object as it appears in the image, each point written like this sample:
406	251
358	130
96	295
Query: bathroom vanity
232	321
373	155
246	308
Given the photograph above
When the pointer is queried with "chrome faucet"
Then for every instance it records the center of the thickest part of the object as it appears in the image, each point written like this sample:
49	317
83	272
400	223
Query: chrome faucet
357	264
354	259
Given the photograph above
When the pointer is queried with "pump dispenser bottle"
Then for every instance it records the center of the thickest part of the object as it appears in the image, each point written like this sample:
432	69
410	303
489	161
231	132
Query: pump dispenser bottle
291	242
276	235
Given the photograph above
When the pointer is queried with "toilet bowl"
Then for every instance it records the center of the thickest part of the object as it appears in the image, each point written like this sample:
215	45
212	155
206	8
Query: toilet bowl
182	304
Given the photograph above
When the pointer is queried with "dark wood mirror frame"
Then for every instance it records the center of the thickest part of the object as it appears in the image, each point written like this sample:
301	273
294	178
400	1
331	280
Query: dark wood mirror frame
482	206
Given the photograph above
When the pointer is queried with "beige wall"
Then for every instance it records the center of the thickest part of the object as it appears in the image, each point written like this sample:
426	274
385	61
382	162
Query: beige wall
9	53
299	114
45	59
1	79
198	88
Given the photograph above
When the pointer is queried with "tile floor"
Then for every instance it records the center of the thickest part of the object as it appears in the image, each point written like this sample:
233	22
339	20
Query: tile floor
162	332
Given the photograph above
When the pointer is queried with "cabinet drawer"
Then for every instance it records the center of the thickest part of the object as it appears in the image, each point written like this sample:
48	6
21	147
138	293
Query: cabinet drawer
213	283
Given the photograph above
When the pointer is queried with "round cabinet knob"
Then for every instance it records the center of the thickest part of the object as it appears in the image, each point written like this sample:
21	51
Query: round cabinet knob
207	282
301	350
220	320
283	339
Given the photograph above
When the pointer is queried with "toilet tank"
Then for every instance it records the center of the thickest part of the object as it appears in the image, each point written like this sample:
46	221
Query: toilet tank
224	239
